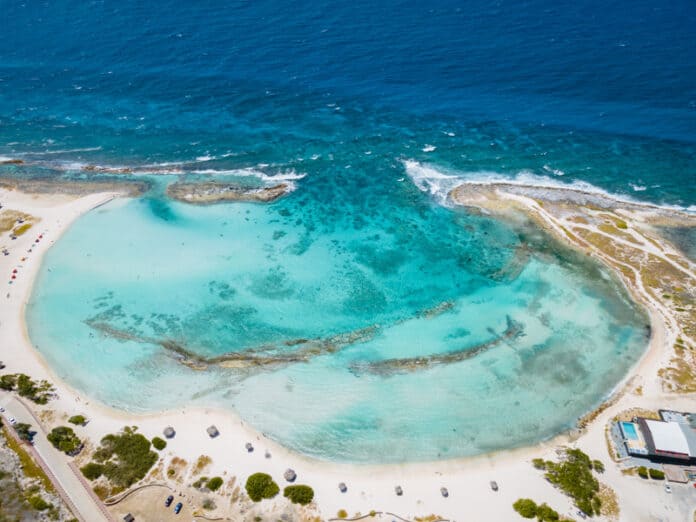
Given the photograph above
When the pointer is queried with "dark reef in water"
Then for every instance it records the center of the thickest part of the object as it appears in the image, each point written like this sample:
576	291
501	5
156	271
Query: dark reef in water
389	366
215	192
268	355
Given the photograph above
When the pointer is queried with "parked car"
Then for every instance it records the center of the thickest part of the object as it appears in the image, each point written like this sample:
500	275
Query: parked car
177	508
582	514
169	501
12	420
494	485
2	410
668	488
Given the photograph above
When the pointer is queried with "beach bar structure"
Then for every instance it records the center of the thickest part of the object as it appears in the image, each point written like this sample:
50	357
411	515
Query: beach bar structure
671	439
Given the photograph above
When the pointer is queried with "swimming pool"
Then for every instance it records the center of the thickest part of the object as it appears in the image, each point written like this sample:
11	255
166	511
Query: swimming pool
629	430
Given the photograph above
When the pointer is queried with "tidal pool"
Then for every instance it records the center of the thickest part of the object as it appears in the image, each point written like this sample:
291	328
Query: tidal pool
382	327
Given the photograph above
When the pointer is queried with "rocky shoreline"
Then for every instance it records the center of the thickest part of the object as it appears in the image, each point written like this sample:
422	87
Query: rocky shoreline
208	192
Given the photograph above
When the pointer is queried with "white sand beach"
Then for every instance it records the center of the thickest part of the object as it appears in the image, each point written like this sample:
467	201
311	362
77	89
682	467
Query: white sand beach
368	487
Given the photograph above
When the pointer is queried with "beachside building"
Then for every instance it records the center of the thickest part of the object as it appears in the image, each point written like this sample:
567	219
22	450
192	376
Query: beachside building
672	438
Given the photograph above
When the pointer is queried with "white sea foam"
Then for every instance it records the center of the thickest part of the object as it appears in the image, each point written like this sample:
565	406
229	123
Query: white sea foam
439	183
638	188
207	157
429	148
555	172
63	151
290	175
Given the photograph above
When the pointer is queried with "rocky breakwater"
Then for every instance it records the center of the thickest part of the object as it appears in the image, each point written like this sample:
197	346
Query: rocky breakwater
214	192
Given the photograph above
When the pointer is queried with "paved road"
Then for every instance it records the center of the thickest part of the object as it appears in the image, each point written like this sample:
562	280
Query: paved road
70	486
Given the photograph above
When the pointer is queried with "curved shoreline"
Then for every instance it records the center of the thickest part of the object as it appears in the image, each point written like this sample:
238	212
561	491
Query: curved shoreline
188	421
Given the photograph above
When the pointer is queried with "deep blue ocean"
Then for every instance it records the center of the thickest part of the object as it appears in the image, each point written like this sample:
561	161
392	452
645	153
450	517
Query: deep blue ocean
601	91
355	104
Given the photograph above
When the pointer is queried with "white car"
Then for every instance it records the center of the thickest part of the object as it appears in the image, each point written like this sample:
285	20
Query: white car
2	410
668	488
12	420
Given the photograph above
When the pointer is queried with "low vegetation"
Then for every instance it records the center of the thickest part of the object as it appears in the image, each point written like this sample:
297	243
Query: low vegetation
125	458
65	440
39	392
78	420
656	474
573	475
260	486
299	494
24	431
213	484
29	467
92	470
159	443
527	508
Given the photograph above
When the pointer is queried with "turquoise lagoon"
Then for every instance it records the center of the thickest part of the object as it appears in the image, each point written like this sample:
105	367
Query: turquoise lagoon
327	263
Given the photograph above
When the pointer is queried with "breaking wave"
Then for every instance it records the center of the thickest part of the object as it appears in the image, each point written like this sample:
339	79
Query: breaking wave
439	182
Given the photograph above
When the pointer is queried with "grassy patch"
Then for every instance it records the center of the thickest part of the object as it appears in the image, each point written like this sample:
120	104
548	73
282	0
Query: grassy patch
30	468
610	503
9	218
203	462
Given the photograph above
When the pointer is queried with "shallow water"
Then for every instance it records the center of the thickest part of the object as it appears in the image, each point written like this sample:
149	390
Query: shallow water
423	279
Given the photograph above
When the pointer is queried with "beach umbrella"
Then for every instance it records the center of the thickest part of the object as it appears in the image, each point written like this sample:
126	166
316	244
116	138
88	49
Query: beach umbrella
342	487
290	475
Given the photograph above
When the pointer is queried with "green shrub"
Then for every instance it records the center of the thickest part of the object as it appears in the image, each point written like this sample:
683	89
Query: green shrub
126	457
38	503
78	420
38	392
643	472
159	443
539	463
23	431
92	470
573	475
260	486
214	484
8	382
64	439
299	494
342	513
544	513
526	507
598	466
656	474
